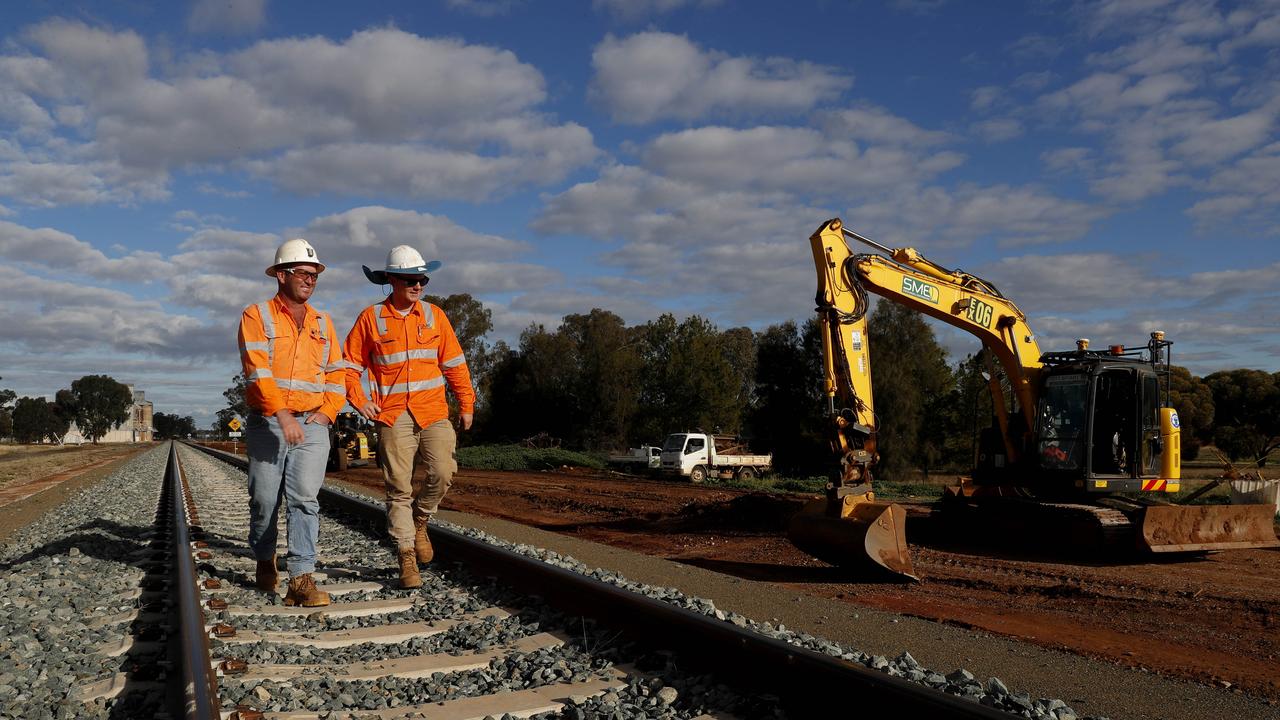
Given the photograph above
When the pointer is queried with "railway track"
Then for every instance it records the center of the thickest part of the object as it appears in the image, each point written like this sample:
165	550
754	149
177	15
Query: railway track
498	632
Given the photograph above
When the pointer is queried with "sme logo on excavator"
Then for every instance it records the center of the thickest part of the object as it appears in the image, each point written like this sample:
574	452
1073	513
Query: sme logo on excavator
920	289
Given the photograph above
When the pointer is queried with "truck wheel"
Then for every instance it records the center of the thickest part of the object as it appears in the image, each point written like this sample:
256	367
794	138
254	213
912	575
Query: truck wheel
697	474
746	473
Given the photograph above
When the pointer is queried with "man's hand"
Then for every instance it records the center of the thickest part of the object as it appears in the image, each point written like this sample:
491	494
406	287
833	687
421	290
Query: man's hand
466	420
291	428
369	410
318	418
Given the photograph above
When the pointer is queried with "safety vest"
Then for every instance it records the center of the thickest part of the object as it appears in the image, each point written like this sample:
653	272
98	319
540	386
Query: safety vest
410	360
300	369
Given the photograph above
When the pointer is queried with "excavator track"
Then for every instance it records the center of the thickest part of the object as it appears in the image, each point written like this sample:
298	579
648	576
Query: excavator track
1072	527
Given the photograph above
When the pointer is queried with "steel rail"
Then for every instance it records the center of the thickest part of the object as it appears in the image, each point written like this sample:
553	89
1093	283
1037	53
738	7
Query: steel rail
809	682
200	683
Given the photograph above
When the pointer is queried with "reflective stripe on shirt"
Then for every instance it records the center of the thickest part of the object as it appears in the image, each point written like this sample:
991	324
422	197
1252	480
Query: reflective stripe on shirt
414	386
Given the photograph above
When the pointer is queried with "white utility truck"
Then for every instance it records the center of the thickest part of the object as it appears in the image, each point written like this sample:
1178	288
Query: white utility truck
639	458
698	456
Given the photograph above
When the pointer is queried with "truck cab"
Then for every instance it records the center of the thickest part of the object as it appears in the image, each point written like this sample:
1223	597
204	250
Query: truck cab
683	451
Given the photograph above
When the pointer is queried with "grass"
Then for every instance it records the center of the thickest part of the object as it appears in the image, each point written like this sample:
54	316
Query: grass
517	457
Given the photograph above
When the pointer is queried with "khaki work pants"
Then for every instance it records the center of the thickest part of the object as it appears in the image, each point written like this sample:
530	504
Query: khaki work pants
400	447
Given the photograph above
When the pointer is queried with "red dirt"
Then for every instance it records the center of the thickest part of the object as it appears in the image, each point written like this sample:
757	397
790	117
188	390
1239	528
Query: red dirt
1213	619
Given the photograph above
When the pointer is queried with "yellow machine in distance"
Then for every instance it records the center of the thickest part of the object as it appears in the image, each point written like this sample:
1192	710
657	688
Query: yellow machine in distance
352	442
1086	439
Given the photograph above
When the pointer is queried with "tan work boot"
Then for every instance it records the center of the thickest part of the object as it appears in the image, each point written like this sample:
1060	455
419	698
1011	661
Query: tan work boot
409	575
303	591
422	543
266	577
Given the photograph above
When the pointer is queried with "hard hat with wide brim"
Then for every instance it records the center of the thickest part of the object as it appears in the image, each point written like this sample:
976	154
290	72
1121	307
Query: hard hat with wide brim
402	260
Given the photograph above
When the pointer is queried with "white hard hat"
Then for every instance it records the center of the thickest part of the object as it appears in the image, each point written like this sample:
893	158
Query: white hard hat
296	250
402	260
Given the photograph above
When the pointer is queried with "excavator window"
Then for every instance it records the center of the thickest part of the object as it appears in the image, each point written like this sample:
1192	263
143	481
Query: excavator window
1151	448
1114	431
1060	433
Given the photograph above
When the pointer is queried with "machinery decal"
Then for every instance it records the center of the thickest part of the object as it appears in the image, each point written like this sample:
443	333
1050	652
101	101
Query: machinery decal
979	312
1157	485
920	289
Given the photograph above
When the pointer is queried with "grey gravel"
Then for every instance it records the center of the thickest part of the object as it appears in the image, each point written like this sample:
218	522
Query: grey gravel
65	580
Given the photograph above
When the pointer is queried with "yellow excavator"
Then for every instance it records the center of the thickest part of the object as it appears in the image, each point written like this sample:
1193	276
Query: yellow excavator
1084	444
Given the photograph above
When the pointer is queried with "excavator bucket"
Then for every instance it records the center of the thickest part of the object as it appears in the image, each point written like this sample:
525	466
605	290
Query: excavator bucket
872	537
1193	528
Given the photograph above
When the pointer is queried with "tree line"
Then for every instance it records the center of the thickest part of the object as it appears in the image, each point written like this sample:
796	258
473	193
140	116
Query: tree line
95	403
596	383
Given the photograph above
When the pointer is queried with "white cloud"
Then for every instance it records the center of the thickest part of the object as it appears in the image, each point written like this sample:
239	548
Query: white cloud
653	75
1015	216
60	252
998	129
227	16
870	124
433	107
985	97
1068	159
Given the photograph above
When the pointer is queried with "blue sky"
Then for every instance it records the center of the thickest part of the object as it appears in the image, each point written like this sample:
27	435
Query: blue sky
1112	166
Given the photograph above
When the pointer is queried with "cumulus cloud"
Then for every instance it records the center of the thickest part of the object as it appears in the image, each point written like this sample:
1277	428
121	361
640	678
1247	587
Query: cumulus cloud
227	16
654	75
998	129
433	108
61	252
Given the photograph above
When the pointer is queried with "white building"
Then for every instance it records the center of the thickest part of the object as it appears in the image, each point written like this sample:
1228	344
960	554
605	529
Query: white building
136	429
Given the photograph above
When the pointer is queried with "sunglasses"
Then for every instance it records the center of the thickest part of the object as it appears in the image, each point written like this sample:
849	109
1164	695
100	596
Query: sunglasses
412	281
306	275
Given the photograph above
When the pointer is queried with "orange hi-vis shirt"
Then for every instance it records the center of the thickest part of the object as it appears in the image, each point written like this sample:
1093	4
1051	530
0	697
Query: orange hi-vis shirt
410	359
288	367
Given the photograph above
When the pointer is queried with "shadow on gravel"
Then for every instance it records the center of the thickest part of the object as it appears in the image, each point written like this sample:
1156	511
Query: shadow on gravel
101	539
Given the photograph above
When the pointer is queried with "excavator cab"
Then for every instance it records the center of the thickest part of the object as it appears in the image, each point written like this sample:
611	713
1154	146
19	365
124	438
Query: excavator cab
1098	427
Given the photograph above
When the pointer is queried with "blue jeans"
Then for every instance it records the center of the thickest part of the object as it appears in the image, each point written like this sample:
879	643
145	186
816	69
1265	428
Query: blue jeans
293	473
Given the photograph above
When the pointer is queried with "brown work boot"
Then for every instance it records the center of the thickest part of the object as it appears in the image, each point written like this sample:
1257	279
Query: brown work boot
266	578
303	591
422	543
409	575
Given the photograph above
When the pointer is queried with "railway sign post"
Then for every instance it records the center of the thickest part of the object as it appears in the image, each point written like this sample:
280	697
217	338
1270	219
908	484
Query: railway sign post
235	432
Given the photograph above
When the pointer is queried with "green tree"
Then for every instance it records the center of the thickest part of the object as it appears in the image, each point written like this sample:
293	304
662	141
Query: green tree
1247	413
531	388
1193	399
101	404
688	381
169	427
738	347
789	415
34	419
7	397
911	382
605	375
237	406
470	319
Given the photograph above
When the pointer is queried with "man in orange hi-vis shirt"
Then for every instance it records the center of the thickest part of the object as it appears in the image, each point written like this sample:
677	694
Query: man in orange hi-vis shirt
411	353
296	378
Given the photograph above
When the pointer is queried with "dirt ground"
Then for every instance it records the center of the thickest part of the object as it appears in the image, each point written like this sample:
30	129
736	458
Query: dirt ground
1214	618
36	478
